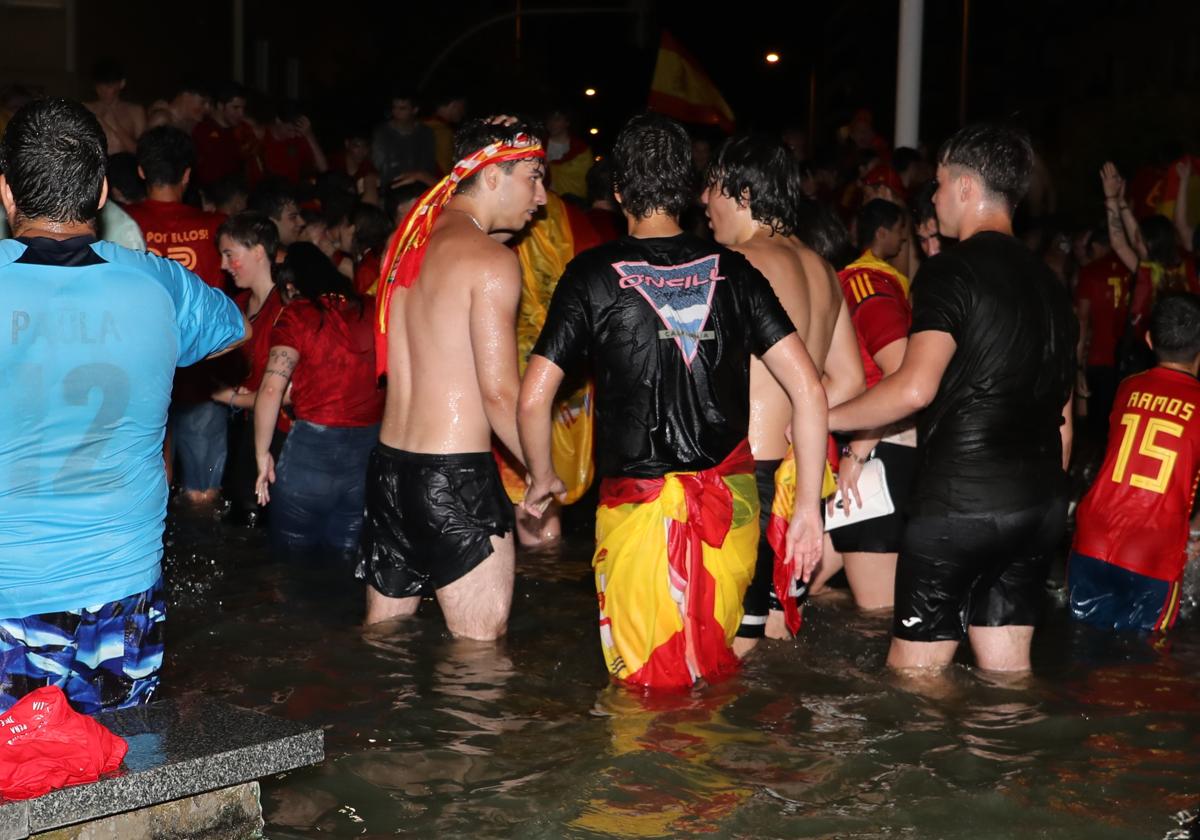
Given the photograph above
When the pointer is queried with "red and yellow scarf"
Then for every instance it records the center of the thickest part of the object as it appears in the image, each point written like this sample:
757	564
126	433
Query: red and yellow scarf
406	250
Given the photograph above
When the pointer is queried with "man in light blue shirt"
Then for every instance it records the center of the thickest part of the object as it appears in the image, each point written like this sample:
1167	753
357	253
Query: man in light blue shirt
90	336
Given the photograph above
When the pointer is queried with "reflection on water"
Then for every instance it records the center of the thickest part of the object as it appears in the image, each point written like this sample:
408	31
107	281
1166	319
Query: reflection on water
430	736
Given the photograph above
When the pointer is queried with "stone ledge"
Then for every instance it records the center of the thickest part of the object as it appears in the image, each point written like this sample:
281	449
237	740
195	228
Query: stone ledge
177	748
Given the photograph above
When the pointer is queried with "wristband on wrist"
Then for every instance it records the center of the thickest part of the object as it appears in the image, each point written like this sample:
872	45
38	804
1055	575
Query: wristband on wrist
847	452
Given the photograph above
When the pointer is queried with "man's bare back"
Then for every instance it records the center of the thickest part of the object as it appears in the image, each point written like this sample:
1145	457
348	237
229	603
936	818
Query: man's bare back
452	350
809	291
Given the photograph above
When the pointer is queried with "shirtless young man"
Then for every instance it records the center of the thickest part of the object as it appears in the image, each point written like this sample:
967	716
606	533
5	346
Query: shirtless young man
753	186
437	514
123	122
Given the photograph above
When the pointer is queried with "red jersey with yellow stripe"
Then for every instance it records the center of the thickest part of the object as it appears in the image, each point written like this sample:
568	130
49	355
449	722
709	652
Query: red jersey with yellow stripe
1104	284
1136	513
877	296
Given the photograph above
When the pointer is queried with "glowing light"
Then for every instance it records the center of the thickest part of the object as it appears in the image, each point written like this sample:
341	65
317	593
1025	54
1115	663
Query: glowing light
772	58
590	92
593	131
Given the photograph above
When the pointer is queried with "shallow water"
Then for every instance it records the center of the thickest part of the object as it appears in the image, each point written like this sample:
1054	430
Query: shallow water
426	736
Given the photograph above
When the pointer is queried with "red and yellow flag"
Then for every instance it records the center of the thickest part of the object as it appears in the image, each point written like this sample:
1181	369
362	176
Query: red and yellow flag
682	90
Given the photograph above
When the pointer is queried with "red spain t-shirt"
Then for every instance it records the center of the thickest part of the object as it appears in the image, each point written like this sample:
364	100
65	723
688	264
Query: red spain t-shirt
1136	513
184	234
258	348
1104	284
334	383
879	309
289	157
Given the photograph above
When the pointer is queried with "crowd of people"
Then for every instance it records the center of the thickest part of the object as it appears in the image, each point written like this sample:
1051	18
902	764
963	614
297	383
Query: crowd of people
776	367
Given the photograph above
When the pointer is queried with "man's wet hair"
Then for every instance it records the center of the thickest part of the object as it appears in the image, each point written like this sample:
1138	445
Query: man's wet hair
1002	157
226	92
759	171
478	133
53	155
251	229
107	71
923	208
271	197
875	214
903	158
1175	328
165	153
123	178
818	227
1161	245
652	167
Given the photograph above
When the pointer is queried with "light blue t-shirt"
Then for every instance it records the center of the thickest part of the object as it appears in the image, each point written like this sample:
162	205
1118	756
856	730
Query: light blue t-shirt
90	336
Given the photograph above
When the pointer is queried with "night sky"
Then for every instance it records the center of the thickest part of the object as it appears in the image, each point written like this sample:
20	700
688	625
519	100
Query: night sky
1091	79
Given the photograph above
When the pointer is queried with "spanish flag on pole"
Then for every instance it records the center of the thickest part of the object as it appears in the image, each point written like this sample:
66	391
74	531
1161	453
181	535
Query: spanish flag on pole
681	89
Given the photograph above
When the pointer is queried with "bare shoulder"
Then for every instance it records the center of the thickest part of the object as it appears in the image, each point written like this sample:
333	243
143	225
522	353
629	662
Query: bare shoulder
816	269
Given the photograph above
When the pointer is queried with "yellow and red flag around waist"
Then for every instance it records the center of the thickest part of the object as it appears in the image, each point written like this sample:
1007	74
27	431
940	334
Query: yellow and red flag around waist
784	575
674	556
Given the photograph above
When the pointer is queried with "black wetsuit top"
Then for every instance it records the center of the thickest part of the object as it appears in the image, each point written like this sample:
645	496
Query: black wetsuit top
989	442
668	325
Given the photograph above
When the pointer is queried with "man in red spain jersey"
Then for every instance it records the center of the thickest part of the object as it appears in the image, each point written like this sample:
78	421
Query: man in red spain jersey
1102	304
877	297
188	236
1126	565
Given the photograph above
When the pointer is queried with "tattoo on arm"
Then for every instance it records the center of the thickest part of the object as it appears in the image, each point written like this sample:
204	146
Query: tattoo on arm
281	363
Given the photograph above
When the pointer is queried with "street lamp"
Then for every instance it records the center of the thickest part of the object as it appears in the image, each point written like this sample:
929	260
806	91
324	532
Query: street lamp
593	131
772	58
590	92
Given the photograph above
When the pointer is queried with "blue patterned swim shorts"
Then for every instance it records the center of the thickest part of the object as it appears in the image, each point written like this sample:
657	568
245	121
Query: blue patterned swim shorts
104	657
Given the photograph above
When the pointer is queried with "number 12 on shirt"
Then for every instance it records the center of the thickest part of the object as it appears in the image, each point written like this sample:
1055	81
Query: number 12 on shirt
1165	457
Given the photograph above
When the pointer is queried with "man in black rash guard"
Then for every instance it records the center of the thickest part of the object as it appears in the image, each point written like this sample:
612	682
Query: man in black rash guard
990	359
668	323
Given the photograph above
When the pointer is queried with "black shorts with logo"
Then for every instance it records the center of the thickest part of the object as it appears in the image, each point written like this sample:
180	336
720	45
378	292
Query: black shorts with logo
985	570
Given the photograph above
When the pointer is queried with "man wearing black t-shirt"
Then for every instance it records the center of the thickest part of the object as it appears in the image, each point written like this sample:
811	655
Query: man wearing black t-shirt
990	359
668	323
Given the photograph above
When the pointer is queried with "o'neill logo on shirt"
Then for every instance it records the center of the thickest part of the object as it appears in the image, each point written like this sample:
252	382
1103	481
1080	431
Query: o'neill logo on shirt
680	294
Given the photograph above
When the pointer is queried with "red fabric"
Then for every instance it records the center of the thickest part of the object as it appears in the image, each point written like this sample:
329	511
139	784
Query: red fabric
184	234
46	745
709	516
1104	284
880	312
784	572
288	157
583	232
366	273
406	249
218	152
882	174
606	223
334	383
1136	513
258	348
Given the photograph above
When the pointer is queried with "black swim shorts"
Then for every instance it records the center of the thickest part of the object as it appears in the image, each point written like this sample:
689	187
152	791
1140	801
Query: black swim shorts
985	570
884	534
429	519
